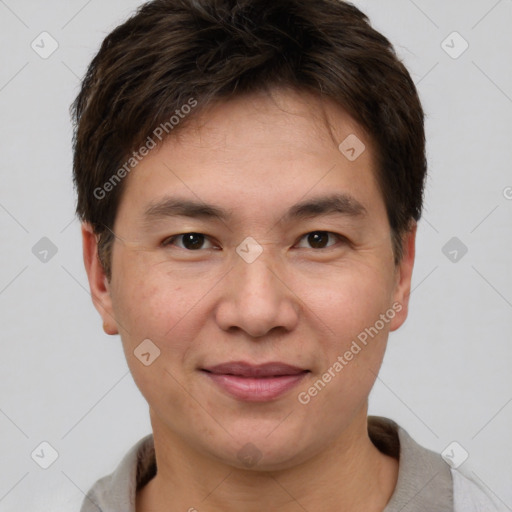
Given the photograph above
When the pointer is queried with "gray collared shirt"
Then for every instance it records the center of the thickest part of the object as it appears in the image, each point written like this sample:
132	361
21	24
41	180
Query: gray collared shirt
425	481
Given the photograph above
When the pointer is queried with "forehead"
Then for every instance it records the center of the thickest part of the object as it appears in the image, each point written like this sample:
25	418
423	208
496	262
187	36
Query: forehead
293	119
257	152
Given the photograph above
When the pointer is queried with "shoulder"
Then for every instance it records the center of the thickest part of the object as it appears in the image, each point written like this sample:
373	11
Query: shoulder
117	491
425	480
468	496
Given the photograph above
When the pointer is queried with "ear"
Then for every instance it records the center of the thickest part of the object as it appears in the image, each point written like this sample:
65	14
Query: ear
98	282
403	279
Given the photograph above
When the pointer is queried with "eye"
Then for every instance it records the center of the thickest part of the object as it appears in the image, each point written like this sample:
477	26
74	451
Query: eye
188	241
320	239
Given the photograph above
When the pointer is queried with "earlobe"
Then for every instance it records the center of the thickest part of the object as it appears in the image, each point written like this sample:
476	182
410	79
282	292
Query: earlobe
98	282
403	278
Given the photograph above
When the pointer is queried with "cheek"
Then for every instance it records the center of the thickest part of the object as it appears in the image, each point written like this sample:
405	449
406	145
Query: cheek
169	308
351	300
149	299
352	349
162	311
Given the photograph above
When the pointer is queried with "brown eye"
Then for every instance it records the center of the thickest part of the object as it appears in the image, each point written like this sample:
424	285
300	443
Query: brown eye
189	241
320	239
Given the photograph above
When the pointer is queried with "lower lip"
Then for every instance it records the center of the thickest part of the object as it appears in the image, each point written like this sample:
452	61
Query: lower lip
256	389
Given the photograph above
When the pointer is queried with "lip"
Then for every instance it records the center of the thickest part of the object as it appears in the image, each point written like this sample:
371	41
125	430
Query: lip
255	383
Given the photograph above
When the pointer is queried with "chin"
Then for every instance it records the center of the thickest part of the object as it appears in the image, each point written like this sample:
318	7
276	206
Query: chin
264	452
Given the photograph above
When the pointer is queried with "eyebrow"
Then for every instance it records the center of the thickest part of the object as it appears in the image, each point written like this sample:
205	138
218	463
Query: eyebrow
338	204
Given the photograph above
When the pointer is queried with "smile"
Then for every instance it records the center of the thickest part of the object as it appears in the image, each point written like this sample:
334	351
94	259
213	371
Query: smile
255	383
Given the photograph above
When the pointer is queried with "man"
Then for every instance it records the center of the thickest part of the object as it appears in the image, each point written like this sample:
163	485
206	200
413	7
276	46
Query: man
250	175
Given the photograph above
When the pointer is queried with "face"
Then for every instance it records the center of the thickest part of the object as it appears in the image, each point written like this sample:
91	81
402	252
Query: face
257	258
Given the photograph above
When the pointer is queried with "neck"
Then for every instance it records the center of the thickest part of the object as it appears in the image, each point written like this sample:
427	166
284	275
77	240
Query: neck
349	475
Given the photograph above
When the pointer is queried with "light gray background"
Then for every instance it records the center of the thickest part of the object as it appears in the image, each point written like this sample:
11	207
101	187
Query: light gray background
446	376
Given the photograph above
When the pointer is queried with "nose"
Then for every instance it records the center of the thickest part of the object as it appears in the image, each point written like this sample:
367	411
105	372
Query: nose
256	299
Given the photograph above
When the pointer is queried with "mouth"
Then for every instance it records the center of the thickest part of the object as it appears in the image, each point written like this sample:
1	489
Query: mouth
255	383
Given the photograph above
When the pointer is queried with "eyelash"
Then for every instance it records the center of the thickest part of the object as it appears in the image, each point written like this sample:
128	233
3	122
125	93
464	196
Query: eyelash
170	241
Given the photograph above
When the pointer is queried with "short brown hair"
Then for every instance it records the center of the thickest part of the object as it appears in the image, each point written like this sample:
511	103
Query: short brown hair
170	51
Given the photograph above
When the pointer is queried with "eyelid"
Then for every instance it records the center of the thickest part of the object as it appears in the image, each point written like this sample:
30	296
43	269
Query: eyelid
170	241
340	238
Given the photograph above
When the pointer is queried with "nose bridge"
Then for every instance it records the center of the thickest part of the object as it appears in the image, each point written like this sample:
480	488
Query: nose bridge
256	266
257	280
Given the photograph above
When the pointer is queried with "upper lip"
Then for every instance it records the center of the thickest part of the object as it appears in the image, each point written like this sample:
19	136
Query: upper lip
243	369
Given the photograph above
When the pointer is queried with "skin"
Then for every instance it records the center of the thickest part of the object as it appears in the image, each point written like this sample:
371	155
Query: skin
256	157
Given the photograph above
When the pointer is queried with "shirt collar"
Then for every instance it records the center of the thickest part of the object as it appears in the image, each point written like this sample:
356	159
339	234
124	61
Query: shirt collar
424	479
